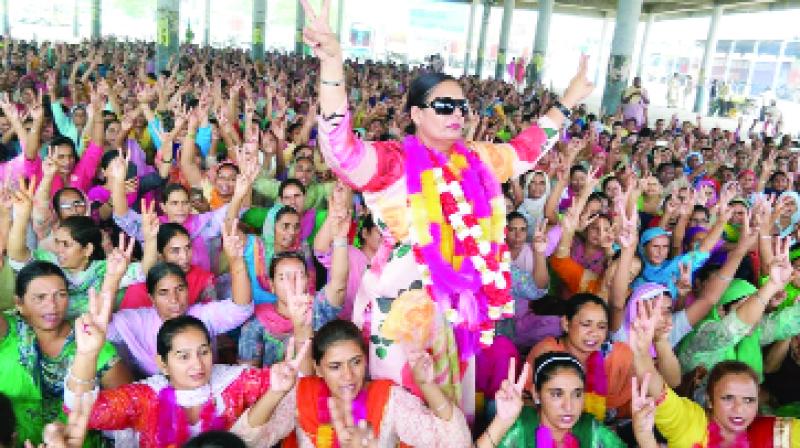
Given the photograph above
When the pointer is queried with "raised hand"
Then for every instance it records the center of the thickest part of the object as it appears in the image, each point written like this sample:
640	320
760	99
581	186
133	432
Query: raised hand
540	236
150	221
643	329
232	242
684	280
117	170
579	87
49	165
71	435
120	257
643	407
317	33
421	363
509	397
780	271
91	327
23	197
300	303
283	376
628	224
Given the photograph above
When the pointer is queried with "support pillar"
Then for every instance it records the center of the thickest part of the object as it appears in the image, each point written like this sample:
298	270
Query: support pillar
96	13
778	62
748	86
257	40
75	27
207	24
300	21
505	30
487	9
470	32
701	101
643	49
601	50
536	67
619	63
340	20
167	44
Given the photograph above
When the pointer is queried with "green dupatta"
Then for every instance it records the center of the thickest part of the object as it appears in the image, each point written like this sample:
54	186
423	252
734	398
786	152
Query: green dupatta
589	432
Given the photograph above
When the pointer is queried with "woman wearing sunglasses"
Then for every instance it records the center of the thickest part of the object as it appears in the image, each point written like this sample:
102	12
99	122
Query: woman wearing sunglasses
440	203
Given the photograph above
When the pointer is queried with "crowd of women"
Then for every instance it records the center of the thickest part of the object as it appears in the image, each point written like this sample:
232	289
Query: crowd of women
312	252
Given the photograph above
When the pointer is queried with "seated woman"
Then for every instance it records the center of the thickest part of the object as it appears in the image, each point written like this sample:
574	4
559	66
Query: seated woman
340	361
78	252
739	326
175	204
174	246
557	420
730	418
295	313
654	248
607	365
281	234
135	329
188	396
37	342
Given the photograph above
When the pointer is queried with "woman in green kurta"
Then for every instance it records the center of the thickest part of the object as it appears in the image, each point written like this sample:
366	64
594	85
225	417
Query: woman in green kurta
557	421
37	346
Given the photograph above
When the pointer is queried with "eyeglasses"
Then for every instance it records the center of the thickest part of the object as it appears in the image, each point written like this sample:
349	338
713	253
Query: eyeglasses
447	106
73	204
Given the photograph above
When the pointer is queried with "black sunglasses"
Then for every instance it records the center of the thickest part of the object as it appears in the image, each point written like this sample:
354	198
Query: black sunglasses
447	106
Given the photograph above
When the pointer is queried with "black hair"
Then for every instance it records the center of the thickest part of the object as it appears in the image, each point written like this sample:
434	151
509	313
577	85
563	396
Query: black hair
701	208
285	210
57	197
575	168
367	223
168	231
84	230
516	215
161	270
273	265
547	364
215	439
169	189
171	327
108	157
228	164
419	90
34	270
608	180
576	302
703	274
290	181
60	140
597	196
337	330
9	426
305	158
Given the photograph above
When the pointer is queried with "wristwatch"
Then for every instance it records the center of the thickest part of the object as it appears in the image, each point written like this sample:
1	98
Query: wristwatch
563	109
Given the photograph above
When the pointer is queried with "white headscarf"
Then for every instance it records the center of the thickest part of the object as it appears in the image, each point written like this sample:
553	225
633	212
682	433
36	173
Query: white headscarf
533	208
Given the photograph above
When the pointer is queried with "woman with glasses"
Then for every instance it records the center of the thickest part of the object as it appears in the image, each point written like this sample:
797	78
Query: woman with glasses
439	201
78	250
298	311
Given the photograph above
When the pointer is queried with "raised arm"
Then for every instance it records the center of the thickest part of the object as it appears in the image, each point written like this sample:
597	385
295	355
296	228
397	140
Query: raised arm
717	284
23	203
233	245
627	238
337	285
